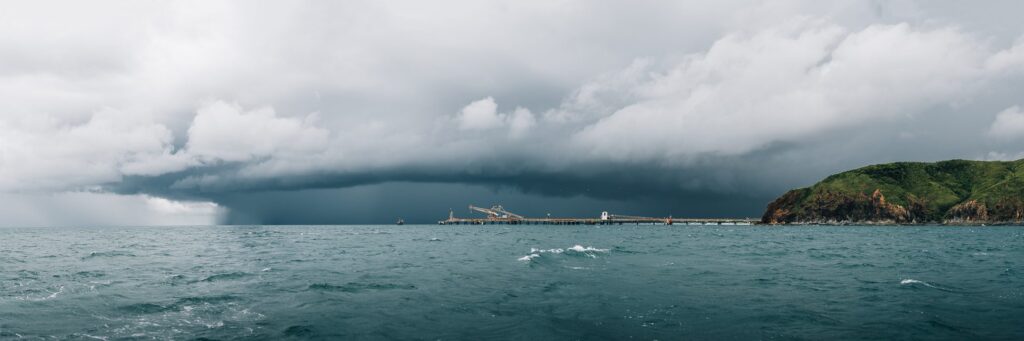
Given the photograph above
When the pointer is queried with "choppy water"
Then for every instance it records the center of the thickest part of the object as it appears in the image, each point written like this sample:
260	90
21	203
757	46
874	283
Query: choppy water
512	282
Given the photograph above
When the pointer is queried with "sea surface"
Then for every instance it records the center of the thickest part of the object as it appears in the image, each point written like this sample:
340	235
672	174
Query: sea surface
512	282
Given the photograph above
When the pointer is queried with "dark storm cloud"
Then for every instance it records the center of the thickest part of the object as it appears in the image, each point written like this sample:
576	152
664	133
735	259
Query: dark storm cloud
292	112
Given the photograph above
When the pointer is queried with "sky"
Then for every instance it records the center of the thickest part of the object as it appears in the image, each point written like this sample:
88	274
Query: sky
345	112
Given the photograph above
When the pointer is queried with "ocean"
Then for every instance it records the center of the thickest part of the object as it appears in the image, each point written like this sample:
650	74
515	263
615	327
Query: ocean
512	282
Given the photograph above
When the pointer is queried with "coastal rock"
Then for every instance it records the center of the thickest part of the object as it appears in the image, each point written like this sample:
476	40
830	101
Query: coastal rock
950	192
832	207
967	212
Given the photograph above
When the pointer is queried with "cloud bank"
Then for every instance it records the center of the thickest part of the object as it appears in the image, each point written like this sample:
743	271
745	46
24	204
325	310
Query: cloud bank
199	102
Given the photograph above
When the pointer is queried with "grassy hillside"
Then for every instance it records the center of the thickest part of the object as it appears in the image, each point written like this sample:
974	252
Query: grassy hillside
910	192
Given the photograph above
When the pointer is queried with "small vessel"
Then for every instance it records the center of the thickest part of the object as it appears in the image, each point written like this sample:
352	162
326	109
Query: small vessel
400	221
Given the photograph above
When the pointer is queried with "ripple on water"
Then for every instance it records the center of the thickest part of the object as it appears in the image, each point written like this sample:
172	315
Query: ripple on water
354	287
89	274
226	276
106	254
194	317
142	308
38	295
299	331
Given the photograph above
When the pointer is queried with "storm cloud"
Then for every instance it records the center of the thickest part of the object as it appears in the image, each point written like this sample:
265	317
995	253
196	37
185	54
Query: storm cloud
358	112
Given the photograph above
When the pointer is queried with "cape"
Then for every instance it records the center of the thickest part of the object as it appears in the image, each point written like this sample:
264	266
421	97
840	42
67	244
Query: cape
959	192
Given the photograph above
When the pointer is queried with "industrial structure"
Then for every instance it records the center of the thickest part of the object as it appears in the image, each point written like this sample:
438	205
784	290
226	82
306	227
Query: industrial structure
498	215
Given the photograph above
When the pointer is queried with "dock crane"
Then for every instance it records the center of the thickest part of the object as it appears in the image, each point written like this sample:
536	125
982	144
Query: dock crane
496	212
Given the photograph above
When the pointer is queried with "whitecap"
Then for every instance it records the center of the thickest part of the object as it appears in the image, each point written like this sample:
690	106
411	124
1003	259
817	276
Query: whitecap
528	257
104	338
575	249
50	297
911	281
54	295
580	248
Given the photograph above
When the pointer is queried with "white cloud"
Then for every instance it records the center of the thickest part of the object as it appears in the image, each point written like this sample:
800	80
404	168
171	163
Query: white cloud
785	84
1008	125
1010	60
182	208
1002	156
41	152
483	115
520	122
96	209
480	115
223	131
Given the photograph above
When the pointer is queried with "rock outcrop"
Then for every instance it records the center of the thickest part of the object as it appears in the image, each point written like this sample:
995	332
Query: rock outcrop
950	192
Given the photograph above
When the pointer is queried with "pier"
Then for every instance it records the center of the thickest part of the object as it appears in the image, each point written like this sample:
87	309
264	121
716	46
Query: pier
497	215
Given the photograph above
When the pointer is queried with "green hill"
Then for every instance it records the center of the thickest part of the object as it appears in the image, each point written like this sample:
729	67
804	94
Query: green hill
955	191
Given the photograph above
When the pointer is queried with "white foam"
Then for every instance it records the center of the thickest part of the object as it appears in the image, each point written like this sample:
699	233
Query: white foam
586	250
580	248
910	281
48	297
51	296
265	270
528	257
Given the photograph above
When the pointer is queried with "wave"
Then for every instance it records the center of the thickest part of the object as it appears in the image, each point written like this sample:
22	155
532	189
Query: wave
588	251
299	331
528	257
353	287
89	274
580	248
54	294
181	304
225	276
49	295
914	282
324	286
108	254
142	308
198	300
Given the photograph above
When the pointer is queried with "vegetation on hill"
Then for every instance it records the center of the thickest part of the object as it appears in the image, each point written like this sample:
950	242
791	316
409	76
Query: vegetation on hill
955	191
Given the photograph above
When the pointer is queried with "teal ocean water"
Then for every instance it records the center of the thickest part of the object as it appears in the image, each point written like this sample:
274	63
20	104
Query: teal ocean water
512	282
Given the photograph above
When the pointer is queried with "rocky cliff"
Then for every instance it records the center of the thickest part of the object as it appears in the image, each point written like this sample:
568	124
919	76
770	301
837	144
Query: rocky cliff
951	192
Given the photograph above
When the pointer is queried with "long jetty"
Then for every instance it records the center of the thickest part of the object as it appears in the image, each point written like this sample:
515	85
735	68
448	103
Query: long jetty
497	215
595	221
